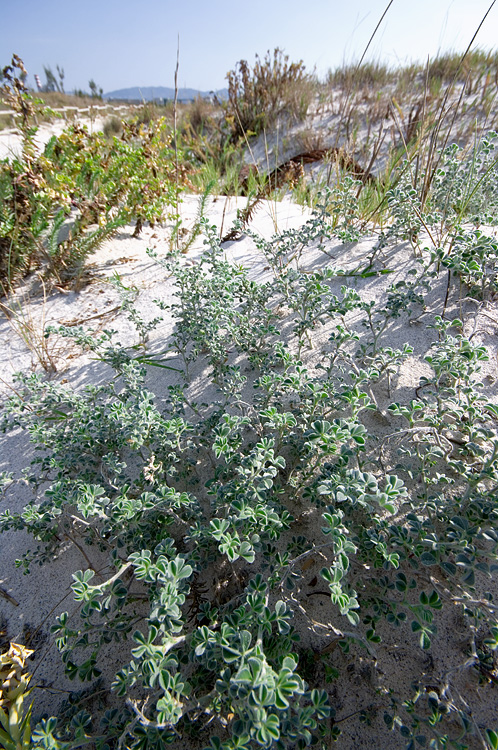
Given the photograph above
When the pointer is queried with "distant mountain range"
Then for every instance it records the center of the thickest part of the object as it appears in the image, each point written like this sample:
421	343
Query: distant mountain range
155	93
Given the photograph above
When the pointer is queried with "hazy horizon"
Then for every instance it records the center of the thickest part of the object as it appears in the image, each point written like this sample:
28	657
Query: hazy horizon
121	44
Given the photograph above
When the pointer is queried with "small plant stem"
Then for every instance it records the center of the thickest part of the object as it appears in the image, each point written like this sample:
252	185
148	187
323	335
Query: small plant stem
303	556
175	135
76	544
115	577
247	142
372	37
7	596
349	716
445	304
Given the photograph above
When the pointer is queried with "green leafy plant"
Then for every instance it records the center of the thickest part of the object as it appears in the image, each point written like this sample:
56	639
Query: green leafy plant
15	719
256	478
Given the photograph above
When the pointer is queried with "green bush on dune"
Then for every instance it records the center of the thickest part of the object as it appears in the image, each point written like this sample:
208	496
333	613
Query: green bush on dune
97	184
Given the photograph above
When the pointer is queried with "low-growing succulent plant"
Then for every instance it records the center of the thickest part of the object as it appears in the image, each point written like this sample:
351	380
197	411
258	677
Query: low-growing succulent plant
15	716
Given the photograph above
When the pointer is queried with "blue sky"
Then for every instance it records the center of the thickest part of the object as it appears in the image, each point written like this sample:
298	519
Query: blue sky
122	43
